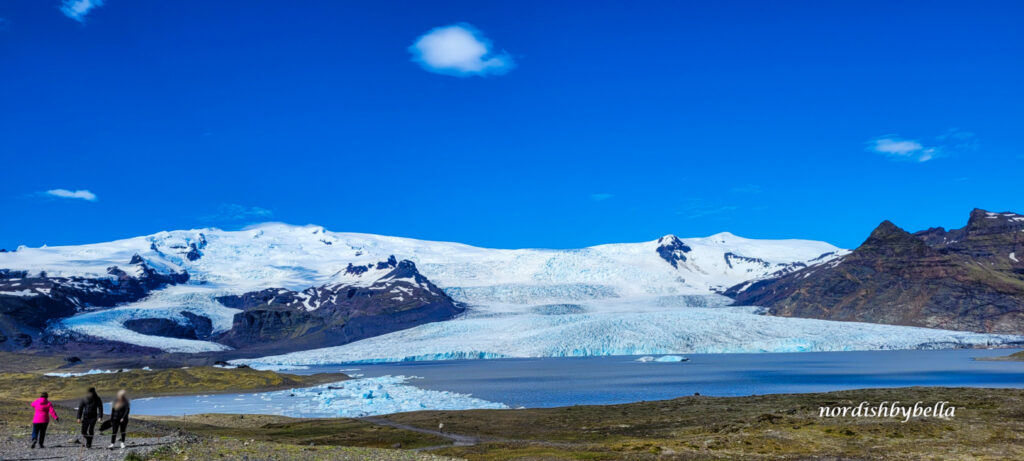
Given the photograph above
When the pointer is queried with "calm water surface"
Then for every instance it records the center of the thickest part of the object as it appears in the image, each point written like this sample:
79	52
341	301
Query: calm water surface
553	382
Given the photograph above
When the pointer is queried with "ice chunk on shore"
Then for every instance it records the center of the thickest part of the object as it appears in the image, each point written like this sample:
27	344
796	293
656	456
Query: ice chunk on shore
84	373
381	395
344	399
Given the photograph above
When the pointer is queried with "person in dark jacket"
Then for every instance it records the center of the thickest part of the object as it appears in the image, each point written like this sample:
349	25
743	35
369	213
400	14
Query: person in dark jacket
119	417
90	410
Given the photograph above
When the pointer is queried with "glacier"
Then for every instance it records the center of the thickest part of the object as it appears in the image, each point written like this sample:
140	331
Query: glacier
641	298
275	255
627	327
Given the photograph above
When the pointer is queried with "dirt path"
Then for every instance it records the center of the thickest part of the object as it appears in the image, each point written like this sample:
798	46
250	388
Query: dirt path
458	440
59	447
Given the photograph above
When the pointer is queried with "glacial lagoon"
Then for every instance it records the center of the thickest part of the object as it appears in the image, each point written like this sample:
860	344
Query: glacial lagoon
550	382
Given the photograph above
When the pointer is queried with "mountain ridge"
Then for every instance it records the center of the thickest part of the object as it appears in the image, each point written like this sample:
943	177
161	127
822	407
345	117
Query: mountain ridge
963	279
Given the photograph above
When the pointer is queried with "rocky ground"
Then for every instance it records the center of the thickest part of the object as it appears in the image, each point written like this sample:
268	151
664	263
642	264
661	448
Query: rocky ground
63	446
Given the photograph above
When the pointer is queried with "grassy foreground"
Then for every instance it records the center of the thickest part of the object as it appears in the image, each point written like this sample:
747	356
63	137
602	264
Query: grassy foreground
300	431
142	383
988	424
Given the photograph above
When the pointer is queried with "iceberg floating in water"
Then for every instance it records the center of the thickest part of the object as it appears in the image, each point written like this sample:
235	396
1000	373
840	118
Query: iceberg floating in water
372	396
671	358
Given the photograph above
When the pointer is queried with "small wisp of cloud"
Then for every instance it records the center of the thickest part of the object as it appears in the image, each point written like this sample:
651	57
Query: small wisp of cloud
77	9
459	50
897	148
904	149
600	197
81	194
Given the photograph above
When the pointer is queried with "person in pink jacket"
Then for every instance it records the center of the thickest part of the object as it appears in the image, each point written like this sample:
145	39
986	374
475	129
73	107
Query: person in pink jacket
44	410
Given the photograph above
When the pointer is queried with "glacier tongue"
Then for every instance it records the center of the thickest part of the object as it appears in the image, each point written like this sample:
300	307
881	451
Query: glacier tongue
627	327
168	303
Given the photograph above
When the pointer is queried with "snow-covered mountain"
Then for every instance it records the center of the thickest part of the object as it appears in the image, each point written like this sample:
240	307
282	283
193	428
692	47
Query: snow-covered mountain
620	283
298	257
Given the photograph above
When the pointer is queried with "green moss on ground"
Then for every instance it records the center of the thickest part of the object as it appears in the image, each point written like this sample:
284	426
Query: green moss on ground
141	383
1015	357
301	431
988	424
256	450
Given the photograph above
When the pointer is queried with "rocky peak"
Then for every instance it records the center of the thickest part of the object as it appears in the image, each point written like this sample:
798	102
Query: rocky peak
890	241
935	236
404	270
984	222
390	263
672	250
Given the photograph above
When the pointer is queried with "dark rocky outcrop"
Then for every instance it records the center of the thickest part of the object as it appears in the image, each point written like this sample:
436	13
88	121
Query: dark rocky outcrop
731	258
672	250
964	279
193	327
28	303
282	320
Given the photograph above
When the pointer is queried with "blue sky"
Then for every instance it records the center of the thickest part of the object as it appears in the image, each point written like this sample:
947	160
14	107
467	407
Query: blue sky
507	124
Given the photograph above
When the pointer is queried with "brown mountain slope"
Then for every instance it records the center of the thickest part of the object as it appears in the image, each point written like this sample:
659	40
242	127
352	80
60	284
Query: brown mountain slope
965	279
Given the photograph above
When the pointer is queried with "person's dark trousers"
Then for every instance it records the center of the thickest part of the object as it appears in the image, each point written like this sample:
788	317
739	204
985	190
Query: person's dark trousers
121	427
88	429
39	434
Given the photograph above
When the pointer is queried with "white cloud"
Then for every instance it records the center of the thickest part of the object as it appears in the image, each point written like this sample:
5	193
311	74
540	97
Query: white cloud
77	9
950	143
600	197
906	149
79	194
459	50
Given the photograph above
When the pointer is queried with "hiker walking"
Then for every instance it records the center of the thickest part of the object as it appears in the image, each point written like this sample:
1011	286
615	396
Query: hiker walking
43	412
119	417
90	410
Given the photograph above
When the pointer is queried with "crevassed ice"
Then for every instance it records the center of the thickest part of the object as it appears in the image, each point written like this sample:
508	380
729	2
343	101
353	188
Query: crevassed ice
629	328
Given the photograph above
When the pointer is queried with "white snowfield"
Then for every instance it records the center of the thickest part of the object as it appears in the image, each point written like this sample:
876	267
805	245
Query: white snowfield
606	299
297	257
